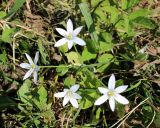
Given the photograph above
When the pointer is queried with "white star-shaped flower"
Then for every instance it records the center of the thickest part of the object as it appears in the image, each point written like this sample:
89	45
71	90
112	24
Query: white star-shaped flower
70	95
70	36
112	94
31	66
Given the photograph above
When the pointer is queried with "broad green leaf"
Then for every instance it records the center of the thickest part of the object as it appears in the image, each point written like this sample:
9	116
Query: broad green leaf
62	70
140	12
74	58
7	35
144	22
141	56
89	96
91	46
89	21
2	14
86	55
17	5
3	58
106	59
24	92
69	81
124	4
105	46
40	98
106	37
132	3
88	78
114	12
106	42
64	48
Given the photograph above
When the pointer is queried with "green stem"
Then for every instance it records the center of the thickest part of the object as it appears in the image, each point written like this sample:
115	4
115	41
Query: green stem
80	65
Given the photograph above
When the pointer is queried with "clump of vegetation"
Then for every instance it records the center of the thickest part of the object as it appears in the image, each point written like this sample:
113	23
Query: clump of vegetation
59	61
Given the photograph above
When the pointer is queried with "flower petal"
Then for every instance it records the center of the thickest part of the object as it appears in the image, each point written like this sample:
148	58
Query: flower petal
65	90
74	102
36	57
25	65
29	59
74	88
60	42
65	100
121	88
121	99
112	104
103	90
79	41
77	30
69	26
101	100
60	94
35	77
28	74
76	96
111	82
70	44
61	31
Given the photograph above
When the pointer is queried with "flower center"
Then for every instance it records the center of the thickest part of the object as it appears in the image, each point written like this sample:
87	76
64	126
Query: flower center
111	93
32	66
70	94
69	36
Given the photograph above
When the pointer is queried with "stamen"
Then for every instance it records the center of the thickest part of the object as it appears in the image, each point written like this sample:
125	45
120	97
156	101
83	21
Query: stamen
69	36
111	93
69	94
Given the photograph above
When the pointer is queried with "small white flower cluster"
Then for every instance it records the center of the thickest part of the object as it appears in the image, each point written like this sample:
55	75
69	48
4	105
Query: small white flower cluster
111	93
70	36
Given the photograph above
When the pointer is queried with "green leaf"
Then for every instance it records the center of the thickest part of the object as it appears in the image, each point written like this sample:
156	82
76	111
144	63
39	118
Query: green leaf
2	14
3	57
106	59
91	46
141	56
89	21
86	55
48	116
114	12
144	22
140	12
7	35
98	112
62	70
17	5
42	51
124	5
69	81
106	42
74	58
89	79
89	96
133	86
40	98
131	3
6	102
157	120
24	92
